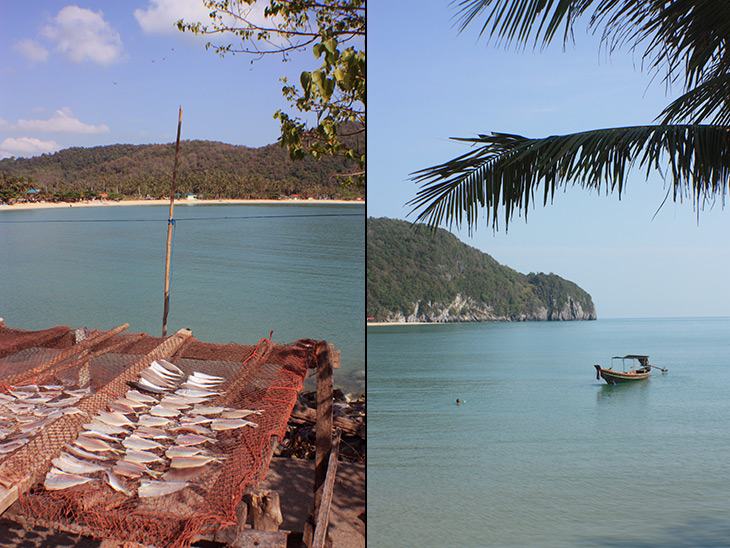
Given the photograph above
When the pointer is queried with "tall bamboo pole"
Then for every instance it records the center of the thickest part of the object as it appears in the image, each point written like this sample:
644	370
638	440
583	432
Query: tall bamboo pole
170	222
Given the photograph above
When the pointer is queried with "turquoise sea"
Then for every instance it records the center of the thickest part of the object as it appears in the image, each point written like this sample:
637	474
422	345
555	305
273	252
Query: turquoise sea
540	453
238	272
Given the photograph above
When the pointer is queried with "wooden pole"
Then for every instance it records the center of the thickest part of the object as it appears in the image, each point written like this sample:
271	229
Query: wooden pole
170	223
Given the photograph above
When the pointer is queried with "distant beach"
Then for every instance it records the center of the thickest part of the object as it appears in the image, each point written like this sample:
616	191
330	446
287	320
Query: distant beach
111	203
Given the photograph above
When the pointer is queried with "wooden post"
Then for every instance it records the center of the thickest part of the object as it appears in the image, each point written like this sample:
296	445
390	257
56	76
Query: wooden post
265	510
323	512
325	381
170	223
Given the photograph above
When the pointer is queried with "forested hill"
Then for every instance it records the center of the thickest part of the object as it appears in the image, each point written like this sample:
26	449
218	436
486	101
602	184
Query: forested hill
420	276
215	169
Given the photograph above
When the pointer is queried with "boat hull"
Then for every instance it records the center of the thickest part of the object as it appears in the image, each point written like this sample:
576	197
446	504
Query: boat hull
614	377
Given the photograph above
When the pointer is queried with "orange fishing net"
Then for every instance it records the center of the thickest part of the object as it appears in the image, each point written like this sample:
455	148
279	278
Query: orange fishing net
265	377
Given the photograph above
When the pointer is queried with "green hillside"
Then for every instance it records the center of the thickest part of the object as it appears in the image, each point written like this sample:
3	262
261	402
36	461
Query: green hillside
423	276
217	170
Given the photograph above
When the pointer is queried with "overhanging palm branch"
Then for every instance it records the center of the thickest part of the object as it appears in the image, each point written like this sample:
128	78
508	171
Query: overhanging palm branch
507	171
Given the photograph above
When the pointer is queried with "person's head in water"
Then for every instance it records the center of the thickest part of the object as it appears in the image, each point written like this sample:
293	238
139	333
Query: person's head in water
458	401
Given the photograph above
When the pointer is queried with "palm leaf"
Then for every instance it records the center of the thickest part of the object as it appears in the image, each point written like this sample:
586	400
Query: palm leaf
506	171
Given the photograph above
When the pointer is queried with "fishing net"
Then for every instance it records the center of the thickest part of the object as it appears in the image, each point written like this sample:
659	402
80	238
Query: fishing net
265	377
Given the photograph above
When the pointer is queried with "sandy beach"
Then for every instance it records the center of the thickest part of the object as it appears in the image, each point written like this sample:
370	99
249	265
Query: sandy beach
182	202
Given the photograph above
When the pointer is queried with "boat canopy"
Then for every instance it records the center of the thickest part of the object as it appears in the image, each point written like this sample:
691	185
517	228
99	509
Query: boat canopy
631	357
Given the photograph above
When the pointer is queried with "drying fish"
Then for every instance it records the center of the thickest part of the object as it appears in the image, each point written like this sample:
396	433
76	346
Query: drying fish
62	403
10	446
165	373
178	406
152	433
51	387
36	425
94	445
116	484
131	403
72	465
58	479
145	386
239	413
231	424
196	393
206	378
79	393
182	400
155	379
149	420
192	461
187	440
194	429
37	400
99	426
114	419
141	444
208	410
159	488
183	474
98	435
195	419
84	455
177	451
133	470
123	408
172	368
162	411
197	385
142	457
139	397
74	411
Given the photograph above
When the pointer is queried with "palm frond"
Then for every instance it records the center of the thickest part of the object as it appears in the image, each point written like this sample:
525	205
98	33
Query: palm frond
506	171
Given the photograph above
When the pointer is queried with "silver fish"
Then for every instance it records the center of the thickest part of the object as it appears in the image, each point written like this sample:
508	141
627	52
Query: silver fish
208	410
114	419
156	380
195	385
239	413
196	393
139	397
231	424
159	488
192	462
143	457
141	444
79	393
171	367
58	479
72	465
195	419
194	429
187	440
134	404
182	400
133	470
10	446
74	411
177	451
152	433
65	402
85	455
206	378
123	408
146	386
164	372
116	484
94	445
98	435
162	411
149	420
99	426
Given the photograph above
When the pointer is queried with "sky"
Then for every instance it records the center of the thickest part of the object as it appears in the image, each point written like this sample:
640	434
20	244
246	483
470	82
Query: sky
427	83
100	72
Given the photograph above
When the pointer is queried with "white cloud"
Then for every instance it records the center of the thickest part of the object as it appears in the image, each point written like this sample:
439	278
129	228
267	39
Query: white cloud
26	147
161	15
83	35
62	121
31	50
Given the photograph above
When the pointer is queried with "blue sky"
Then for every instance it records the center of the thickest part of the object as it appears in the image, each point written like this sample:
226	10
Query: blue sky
100	72
428	83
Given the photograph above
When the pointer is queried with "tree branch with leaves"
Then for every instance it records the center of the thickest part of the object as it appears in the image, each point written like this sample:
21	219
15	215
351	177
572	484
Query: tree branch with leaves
333	95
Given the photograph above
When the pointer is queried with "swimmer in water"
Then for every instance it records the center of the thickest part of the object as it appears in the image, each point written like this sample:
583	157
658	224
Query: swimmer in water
458	401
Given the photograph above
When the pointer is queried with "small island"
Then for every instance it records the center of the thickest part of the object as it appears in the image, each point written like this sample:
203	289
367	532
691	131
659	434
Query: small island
420	276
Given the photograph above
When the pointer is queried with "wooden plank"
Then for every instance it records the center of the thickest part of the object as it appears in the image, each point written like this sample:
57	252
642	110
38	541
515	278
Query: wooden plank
8	495
349	426
323	512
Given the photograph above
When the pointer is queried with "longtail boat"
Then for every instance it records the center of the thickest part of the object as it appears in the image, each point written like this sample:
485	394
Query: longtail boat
639	369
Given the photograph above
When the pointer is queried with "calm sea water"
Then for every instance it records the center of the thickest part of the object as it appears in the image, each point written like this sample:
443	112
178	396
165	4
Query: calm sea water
294	269
541	453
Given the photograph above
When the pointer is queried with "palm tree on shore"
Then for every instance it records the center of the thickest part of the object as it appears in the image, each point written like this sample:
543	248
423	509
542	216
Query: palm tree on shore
682	41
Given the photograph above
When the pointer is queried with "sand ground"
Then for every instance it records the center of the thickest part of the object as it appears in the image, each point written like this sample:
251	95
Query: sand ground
107	203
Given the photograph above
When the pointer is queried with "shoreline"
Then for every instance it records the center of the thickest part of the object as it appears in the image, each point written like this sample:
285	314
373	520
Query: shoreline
377	324
181	202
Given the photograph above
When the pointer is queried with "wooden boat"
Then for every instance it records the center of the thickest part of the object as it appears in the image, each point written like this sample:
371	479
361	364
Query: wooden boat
639	369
